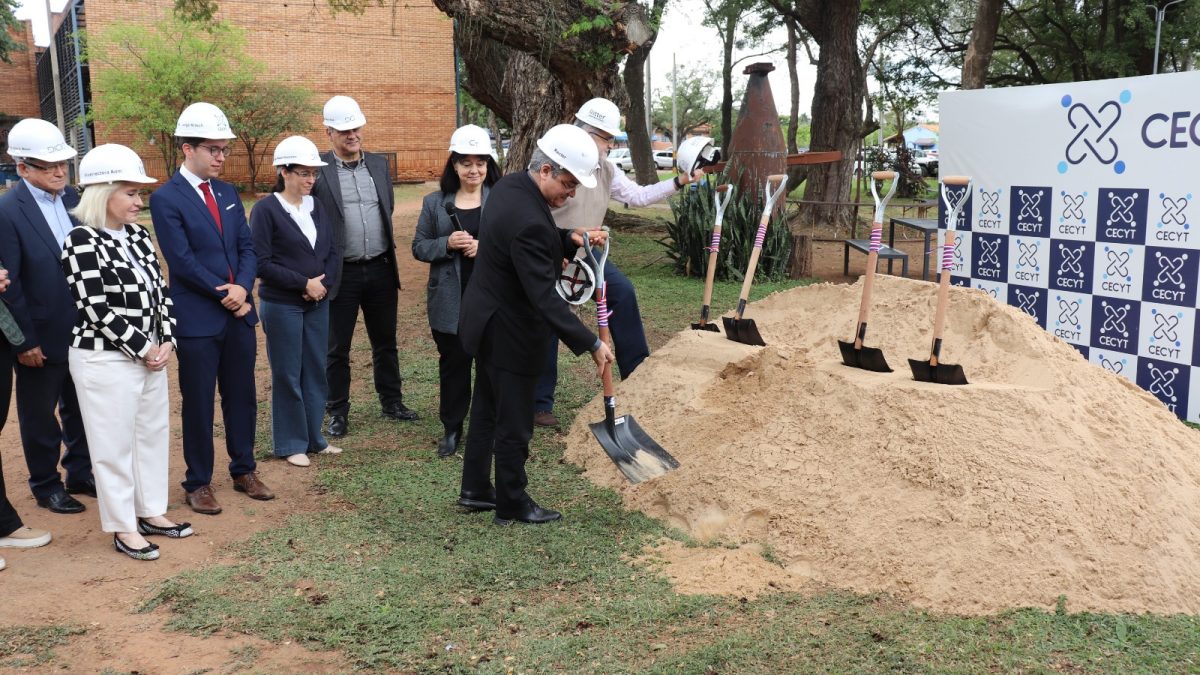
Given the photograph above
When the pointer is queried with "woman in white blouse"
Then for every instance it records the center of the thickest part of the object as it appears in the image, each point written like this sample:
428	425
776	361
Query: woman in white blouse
297	263
119	351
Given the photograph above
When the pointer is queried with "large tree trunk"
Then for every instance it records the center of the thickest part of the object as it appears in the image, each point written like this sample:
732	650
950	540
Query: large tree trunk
795	175
520	65
837	122
640	152
727	85
983	39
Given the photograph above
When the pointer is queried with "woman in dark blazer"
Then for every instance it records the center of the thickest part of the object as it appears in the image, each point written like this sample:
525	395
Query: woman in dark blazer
120	347
447	238
297	265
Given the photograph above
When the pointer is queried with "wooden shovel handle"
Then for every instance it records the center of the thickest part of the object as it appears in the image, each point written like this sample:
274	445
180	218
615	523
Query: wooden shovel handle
939	316
864	307
606	376
744	297
956	180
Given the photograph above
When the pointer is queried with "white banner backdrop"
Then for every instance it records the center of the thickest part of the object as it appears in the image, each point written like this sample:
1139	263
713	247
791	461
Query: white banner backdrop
1081	215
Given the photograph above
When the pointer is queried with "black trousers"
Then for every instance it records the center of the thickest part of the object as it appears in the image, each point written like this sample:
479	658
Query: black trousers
370	286
454	376
39	392
9	520
501	426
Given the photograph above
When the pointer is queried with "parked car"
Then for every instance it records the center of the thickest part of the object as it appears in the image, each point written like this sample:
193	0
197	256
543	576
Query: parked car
620	157
927	160
664	159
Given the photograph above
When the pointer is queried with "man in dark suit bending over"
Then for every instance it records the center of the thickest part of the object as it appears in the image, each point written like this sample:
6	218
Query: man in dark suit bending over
509	313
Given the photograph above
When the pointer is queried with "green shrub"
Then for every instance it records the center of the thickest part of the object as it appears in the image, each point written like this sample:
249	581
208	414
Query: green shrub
689	235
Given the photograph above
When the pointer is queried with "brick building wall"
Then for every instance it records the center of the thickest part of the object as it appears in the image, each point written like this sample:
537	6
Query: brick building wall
18	87
396	61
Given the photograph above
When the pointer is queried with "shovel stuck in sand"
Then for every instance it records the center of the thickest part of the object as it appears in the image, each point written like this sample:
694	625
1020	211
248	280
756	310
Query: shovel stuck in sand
934	370
737	328
637	455
854	354
727	190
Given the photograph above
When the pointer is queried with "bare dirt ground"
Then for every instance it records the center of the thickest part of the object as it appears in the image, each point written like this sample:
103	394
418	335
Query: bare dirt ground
79	581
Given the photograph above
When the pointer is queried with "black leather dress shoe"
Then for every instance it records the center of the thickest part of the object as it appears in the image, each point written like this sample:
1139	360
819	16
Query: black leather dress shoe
61	502
531	513
449	444
85	487
477	501
338	426
399	411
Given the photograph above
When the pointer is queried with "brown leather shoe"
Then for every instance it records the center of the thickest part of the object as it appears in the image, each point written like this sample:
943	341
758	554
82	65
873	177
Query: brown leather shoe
252	486
202	500
545	418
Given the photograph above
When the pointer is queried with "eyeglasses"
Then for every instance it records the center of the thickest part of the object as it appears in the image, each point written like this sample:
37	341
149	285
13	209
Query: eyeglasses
215	150
49	168
603	139
306	174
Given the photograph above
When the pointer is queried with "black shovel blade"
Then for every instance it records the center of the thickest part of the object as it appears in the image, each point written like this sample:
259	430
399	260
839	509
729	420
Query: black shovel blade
743	331
637	455
942	373
706	326
867	358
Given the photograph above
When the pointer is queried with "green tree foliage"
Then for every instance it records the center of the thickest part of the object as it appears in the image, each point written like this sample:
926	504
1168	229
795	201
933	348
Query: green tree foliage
8	26
261	111
693	103
152	74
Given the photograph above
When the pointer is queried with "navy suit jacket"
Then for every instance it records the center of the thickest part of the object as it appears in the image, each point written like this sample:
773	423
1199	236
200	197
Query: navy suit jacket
199	256
39	297
286	261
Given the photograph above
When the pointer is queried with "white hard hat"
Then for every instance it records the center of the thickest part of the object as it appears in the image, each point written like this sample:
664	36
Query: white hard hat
38	139
574	149
297	150
342	113
696	152
203	120
112	163
471	140
576	282
602	114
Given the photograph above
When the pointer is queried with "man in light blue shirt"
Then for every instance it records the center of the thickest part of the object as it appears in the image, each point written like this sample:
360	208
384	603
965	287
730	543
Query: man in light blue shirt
34	221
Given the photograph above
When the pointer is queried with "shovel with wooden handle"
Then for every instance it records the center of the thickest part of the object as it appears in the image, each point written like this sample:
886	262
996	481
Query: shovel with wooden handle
727	190
737	328
854	354
934	370
637	455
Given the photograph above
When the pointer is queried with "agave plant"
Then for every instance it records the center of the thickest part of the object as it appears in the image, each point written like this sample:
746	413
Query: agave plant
689	235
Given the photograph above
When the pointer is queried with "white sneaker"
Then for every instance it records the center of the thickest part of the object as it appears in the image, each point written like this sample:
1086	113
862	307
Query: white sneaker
298	459
330	450
25	537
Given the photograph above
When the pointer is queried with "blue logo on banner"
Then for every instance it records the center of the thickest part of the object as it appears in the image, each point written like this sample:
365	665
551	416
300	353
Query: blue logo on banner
1093	133
1122	216
1166	339
1073	221
1115	324
1173	223
1031	211
989	218
1071	265
1067	322
1032	301
1117	364
1167	381
965	282
989	257
1170	276
964	215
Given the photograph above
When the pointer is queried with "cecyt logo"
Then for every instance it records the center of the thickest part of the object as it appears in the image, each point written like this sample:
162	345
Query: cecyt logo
1115	324
1031	207
1093	132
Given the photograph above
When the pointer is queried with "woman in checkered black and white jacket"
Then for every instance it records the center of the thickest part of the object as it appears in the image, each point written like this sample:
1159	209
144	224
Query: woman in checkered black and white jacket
120	349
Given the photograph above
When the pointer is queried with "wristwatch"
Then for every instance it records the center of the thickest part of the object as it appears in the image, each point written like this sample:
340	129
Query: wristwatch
678	185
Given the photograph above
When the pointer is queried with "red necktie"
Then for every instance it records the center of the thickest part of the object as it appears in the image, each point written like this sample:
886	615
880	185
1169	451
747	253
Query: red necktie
212	208
212	205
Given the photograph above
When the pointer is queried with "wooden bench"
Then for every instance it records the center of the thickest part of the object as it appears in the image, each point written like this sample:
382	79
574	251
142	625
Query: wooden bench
885	253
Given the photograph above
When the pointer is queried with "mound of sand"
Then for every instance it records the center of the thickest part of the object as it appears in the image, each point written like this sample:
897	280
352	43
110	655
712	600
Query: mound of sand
1045	476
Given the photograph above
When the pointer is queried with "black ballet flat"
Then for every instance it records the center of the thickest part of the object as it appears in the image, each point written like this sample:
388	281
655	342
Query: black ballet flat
177	531
148	553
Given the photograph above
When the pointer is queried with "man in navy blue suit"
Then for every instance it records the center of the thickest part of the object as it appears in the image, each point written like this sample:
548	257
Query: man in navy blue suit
34	221
202	231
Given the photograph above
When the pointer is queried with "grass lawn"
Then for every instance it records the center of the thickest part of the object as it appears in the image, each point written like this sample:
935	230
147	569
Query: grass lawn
395	577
